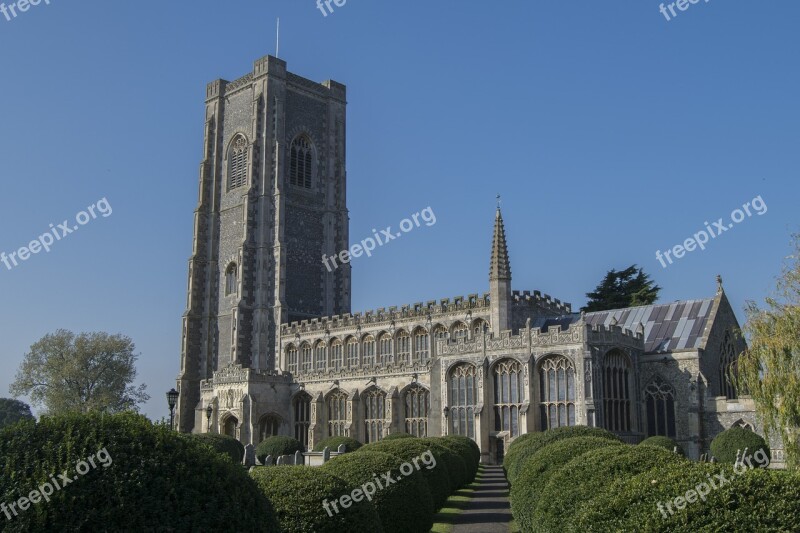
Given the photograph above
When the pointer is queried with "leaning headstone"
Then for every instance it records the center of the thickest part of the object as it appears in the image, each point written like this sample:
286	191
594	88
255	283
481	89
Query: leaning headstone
326	455
249	455
342	448
268	461
280	461
298	458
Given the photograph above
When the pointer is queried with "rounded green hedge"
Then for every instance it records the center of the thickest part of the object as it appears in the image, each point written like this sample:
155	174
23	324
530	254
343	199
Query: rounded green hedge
407	449
449	459
538	469
299	494
405	505
223	444
588	476
518	453
400	435
725	445
476	451
333	444
631	504
663	442
464	451
146	478
276	446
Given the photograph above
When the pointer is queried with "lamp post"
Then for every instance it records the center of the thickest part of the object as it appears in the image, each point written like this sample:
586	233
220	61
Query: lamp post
446	412
172	401
209	413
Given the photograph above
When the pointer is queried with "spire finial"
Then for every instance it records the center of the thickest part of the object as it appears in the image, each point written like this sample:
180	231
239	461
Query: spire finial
498	202
719	284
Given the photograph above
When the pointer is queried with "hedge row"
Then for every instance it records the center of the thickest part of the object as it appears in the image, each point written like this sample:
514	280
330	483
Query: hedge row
333	443
597	485
276	446
224	444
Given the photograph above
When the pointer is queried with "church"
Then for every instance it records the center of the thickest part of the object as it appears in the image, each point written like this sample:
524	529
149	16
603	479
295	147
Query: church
270	345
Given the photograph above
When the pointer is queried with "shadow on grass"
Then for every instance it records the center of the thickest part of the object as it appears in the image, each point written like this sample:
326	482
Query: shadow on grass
444	520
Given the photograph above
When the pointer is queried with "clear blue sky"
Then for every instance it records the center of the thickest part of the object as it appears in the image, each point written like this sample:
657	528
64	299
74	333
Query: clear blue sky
610	132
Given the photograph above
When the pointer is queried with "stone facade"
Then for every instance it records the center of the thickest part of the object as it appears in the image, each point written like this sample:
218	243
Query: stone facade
270	344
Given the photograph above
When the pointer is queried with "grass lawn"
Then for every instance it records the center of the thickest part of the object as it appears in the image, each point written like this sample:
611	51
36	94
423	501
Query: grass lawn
445	518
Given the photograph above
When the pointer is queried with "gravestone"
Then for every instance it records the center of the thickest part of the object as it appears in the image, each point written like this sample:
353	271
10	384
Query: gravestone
342	448
249	455
326	455
298	458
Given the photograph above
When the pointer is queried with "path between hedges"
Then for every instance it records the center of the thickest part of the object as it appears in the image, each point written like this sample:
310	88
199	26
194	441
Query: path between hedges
488	511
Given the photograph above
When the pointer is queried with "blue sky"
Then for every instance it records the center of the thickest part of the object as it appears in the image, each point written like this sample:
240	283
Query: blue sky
610	132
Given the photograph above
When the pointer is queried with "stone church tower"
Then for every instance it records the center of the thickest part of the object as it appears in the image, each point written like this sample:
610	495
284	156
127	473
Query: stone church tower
272	201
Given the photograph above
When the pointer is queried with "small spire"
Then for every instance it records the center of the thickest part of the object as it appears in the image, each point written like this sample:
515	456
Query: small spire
500	267
498	202
720	290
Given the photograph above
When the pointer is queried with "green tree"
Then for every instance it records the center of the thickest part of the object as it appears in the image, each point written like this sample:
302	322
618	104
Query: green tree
626	288
64	372
12	411
769	369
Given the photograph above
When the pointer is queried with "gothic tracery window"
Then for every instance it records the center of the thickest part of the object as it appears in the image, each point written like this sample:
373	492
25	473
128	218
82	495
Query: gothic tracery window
306	363
237	163
421	345
460	332
557	393
337	414
301	162
291	359
417	405
321	357
509	395
302	417
660	404
368	353
374	402
403	347
352	353
269	426
463	397
385	349
336	355
616	392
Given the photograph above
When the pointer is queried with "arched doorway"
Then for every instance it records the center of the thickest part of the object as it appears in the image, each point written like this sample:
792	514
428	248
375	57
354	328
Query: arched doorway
229	428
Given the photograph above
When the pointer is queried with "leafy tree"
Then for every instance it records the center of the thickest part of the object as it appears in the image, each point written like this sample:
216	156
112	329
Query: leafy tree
626	288
12	411
64	372
769	370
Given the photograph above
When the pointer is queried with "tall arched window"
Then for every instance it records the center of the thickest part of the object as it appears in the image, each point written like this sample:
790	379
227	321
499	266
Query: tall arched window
463	395
301	162
374	402
302	417
440	333
727	368
291	359
269	426
417	405
237	163
337	414
231	279
616	392
557	393
660	402
336	355
403	347
421	346
460	332
509	395
479	327
305	360
385	349
352	353
321	357
368	346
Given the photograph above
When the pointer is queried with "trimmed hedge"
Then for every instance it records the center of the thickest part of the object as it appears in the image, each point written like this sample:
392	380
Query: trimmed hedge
465	452
663	442
449	459
224	444
631	504
476	451
540	467
407	449
276	446
333	443
588	476
405	506
147	478
297	494
518	453
726	444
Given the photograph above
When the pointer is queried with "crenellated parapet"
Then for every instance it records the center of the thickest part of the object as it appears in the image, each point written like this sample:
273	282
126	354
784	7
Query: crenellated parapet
537	299
614	335
432	311
240	374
